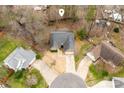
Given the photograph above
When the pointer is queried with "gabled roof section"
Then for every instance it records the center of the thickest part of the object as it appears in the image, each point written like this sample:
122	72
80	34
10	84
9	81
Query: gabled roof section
20	58
62	38
111	53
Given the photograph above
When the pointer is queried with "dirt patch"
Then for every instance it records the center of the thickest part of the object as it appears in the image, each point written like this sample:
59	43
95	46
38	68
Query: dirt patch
56	61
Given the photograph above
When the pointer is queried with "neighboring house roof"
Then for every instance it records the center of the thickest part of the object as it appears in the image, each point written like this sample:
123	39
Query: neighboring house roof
20	58
68	80
62	38
108	52
118	82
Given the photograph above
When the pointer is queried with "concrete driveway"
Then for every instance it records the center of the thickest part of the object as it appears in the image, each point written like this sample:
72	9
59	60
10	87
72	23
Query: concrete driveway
70	64
48	74
83	67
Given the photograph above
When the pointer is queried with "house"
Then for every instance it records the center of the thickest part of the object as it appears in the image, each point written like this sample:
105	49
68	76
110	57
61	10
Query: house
107	52
68	80
20	59
62	40
116	16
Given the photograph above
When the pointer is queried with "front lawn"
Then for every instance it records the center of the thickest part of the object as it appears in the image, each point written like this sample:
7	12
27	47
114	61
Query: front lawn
96	75
27	79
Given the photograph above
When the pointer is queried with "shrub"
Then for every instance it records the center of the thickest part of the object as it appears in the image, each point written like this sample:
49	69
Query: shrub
116	30
81	34
38	56
19	74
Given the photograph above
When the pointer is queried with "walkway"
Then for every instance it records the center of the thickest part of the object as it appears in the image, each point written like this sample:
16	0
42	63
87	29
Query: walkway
83	67
70	64
45	71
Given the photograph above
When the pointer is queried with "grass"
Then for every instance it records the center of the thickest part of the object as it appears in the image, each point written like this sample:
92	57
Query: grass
116	37
8	44
6	47
97	40
83	50
3	72
98	74
119	74
91	80
90	13
3	23
94	76
20	82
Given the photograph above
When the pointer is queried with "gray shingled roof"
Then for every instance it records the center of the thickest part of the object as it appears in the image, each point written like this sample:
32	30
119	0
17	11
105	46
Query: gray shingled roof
20	58
108	52
57	39
68	80
118	82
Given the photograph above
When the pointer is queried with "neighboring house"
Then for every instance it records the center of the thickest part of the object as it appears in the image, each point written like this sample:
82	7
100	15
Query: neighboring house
107	52
20	59
62	40
118	82
68	80
116	16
